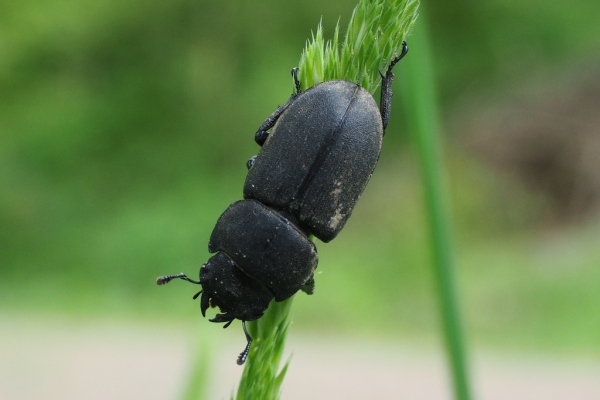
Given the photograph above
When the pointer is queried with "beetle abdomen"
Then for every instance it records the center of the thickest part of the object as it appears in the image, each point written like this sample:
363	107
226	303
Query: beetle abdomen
319	156
265	246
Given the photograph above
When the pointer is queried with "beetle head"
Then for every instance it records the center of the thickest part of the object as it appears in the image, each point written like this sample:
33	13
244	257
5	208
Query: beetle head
224	285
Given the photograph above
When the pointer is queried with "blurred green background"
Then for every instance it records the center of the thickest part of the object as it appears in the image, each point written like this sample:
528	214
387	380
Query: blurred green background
125	127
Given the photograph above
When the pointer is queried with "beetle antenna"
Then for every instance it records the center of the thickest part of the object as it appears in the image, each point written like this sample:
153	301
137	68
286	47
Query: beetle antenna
163	280
296	81
244	354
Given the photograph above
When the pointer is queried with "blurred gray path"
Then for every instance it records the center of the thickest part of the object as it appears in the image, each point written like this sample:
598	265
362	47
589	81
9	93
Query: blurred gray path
55	358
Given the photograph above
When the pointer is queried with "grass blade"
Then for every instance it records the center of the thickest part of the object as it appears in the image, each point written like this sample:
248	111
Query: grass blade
261	378
422	114
375	34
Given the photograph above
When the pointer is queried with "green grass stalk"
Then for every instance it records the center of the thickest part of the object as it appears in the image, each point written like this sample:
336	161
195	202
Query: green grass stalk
375	34
423	118
262	378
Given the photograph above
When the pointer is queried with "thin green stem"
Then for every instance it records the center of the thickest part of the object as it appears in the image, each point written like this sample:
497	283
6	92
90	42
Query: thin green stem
261	378
374	35
422	114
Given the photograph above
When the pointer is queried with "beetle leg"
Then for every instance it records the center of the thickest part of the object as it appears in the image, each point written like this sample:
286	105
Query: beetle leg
261	134
250	162
244	354
296	81
309	285
386	88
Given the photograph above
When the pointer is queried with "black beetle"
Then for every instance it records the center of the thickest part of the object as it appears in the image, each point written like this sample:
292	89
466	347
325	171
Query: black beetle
312	168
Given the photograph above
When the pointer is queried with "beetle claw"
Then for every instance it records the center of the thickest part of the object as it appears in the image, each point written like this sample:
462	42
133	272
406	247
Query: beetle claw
222	318
204	303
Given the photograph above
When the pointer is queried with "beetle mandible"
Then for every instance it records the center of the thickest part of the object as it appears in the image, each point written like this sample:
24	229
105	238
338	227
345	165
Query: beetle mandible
314	164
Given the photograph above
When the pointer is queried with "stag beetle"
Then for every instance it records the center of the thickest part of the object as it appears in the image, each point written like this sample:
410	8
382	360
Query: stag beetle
314	164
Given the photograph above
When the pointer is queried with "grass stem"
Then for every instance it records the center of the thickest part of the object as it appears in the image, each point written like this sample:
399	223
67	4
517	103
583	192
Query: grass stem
262	378
373	37
422	114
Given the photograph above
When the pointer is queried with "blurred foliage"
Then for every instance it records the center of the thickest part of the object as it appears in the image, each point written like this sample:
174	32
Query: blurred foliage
125	127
